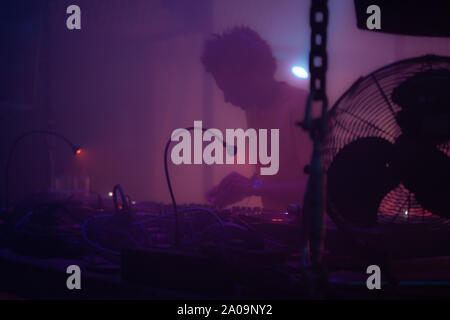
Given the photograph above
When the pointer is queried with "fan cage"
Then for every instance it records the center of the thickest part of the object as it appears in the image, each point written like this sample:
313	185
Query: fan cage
367	110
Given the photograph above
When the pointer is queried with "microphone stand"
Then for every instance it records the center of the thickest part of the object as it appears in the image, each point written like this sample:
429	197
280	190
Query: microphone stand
13	147
169	184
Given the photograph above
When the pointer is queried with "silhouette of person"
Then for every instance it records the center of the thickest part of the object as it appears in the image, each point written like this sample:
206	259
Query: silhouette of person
243	67
424	99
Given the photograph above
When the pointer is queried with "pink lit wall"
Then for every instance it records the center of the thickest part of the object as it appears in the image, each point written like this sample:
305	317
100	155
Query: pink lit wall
119	86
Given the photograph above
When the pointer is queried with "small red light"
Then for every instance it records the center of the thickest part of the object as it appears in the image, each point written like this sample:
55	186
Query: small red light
78	152
277	220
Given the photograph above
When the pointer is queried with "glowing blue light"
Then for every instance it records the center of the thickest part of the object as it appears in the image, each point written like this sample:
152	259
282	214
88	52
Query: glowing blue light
299	72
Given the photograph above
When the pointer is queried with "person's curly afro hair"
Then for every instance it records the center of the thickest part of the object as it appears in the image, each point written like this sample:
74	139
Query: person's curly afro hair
238	50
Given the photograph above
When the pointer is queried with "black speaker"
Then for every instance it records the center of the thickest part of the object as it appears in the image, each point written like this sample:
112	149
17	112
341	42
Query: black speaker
412	17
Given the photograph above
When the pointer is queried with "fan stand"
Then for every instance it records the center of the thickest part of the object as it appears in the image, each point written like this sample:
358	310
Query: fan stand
366	251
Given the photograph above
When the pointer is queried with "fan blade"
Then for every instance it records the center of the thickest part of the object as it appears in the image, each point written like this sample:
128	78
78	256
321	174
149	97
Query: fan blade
425	171
358	179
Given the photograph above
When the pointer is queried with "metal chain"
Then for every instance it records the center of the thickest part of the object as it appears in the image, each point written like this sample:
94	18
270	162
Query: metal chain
318	59
314	203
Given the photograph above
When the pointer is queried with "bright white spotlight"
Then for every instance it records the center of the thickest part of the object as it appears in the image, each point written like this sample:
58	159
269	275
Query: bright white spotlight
299	72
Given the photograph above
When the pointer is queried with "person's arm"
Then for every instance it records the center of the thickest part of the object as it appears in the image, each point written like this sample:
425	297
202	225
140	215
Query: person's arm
281	190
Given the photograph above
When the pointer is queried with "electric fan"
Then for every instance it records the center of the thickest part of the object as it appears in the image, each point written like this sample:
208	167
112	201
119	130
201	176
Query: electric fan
387	152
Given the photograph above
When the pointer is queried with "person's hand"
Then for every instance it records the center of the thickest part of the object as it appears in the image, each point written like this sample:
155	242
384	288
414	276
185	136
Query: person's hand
232	188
